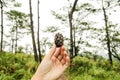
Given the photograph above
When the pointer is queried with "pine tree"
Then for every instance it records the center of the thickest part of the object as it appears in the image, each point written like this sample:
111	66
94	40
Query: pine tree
32	33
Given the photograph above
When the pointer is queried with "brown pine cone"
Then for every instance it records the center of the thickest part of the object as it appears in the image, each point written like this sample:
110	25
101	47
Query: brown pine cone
58	40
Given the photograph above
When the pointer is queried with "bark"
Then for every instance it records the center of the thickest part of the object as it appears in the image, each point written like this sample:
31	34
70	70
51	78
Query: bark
115	55
75	50
32	32
70	15
16	34
107	35
38	35
12	46
1	44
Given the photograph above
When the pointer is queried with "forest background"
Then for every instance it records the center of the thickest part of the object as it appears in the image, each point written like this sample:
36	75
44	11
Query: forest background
91	36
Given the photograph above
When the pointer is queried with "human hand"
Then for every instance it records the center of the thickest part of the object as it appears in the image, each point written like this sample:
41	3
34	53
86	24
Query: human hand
53	64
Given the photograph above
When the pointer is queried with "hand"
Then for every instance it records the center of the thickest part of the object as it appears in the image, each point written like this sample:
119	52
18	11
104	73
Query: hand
53	64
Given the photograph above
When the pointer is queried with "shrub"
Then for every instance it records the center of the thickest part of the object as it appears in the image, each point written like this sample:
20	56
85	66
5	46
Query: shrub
16	66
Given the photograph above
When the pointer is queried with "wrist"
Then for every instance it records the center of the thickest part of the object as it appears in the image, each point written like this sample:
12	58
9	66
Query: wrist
37	77
48	77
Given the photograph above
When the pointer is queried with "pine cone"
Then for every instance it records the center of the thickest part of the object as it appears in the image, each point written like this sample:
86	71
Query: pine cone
58	40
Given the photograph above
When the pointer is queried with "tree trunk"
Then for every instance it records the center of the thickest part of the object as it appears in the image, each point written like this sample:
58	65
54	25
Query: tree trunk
75	50
70	15
38	35
107	34
1	44
32	32
16	34
12	46
71	38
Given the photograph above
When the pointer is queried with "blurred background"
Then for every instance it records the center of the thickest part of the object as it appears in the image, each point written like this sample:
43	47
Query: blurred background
90	29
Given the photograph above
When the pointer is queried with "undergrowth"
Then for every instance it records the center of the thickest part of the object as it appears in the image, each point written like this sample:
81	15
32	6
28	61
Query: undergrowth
22	66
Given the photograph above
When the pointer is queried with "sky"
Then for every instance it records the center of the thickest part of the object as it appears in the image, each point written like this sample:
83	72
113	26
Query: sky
45	9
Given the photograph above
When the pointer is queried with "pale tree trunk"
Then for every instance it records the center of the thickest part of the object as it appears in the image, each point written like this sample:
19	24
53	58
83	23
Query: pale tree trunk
1	43
70	15
32	32
38	34
107	34
12	45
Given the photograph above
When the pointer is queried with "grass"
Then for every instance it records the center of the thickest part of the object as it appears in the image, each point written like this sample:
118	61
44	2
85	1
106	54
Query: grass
88	69
22	66
17	66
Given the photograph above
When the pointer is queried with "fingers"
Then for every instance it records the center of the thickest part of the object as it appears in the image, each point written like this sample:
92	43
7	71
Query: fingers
57	52
62	49
63	61
52	51
66	60
61	55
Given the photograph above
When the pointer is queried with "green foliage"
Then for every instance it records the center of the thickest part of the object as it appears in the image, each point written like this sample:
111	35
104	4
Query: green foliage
84	68
17	66
22	66
17	4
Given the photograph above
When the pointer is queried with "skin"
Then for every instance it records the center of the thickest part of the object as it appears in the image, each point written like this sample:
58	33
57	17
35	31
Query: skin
53	65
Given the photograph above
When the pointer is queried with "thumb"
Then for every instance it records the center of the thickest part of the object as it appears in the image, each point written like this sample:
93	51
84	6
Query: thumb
51	52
